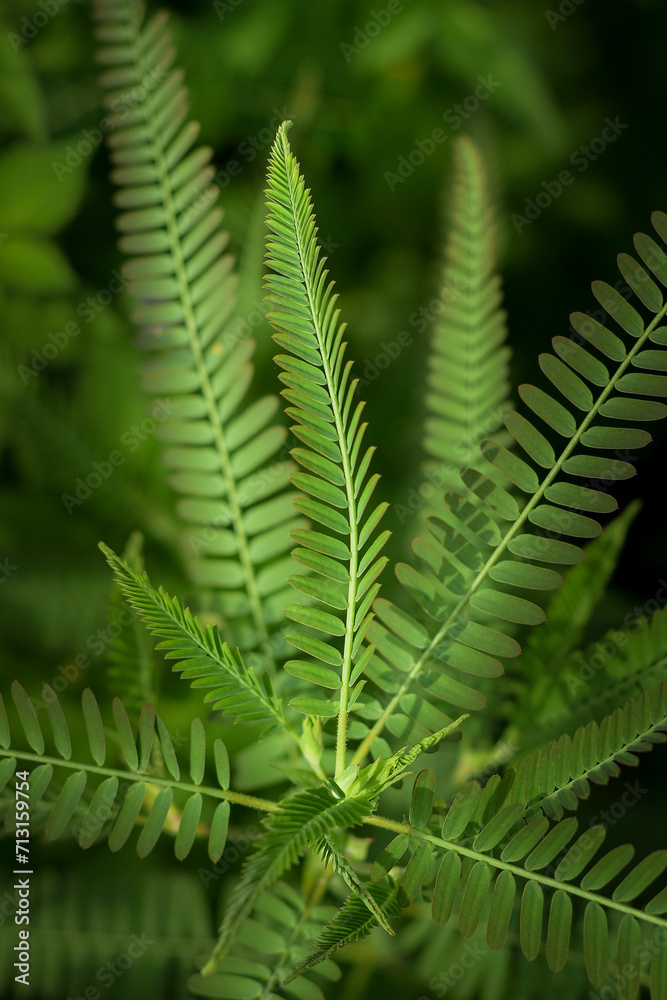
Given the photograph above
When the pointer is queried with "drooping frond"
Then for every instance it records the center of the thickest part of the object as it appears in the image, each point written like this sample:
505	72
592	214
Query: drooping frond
224	455
327	420
559	774
354	922
131	668
469	364
122	793
467	550
386	771
82	921
268	946
201	656
305	817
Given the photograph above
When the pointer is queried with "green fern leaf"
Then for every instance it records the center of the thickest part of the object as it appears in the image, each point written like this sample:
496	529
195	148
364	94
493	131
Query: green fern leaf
629	946
596	943
328	422
560	773
385	771
341	866
601	677
470	867
501	910
131	670
474	896
421	802
415	874
305	817
532	906
224	457
389	857
202	657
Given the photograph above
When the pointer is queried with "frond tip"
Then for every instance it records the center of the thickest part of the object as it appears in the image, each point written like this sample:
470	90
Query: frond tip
353	922
468	377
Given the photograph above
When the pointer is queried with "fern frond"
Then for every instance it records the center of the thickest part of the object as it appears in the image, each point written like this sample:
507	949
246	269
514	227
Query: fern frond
280	935
486	845
131	670
341	866
546	651
385	771
478	886
469	365
122	793
224	455
354	922
305	817
202	657
560	773
467	553
328	423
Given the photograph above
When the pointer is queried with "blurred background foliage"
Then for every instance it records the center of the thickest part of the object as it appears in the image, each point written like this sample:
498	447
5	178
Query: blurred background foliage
362	101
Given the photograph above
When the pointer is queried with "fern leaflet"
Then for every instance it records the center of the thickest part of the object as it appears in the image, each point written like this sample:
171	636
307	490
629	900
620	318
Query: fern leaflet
353	922
131	669
486	845
341	866
122	793
559	774
623	661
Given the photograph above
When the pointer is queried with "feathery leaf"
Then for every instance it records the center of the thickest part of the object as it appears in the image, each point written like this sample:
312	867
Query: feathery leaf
328	422
468	539
120	795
